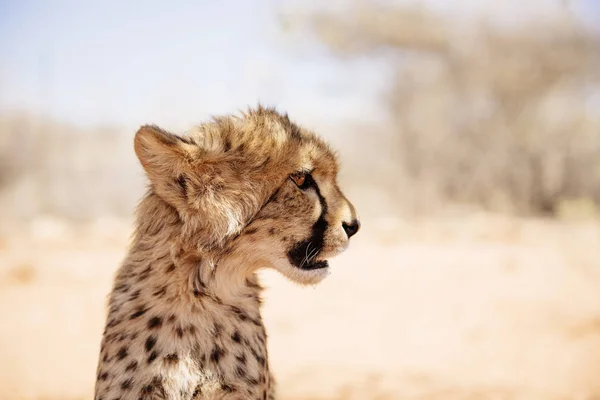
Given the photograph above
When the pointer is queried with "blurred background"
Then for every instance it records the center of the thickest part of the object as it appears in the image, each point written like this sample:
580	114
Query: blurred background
469	134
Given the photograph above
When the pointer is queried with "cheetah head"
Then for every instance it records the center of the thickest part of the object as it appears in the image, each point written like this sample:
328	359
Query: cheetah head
256	187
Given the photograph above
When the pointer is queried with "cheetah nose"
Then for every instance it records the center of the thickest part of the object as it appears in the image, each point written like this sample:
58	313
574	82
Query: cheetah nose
351	228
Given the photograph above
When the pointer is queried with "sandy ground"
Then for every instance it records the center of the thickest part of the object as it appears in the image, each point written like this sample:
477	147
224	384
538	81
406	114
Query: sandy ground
478	307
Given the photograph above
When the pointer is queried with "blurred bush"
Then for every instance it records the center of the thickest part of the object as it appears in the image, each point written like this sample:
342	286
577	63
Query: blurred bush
52	168
498	117
495	116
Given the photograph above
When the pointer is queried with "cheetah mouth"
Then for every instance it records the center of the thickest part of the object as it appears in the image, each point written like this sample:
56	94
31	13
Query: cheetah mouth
314	265
304	256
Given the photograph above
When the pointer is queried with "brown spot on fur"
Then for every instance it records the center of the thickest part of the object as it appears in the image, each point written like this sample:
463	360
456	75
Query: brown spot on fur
141	311
152	357
197	392
252	381
179	331
182	182
144	274
170	268
160	292
150	342
171	359
132	366
240	371
251	231
155	323
216	354
135	295
241	314
154	388
122	353
241	358
126	384
112	323
227	388
122	288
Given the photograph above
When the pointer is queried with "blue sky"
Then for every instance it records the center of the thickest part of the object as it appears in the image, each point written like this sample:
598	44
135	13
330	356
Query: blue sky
113	61
177	62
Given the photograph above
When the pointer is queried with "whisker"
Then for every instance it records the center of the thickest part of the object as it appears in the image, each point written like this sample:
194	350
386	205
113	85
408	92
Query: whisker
305	259
313	254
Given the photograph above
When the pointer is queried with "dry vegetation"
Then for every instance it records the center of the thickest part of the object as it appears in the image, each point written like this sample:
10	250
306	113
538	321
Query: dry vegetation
53	168
495	117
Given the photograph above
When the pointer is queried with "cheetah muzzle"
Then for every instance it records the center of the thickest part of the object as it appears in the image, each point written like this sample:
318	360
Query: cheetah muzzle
229	197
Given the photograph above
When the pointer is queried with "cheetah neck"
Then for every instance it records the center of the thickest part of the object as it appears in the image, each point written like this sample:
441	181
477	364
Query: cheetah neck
161	251
176	326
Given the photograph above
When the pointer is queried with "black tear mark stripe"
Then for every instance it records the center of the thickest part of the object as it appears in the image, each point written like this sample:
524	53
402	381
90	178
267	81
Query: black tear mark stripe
322	201
317	237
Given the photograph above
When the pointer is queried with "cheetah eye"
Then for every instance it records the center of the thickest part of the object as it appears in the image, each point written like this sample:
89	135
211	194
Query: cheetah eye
302	179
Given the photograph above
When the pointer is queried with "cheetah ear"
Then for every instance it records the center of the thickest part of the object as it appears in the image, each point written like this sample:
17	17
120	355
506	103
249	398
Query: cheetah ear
163	156
216	197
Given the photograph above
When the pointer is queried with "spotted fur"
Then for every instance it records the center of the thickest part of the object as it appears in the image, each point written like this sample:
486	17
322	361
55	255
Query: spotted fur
184	316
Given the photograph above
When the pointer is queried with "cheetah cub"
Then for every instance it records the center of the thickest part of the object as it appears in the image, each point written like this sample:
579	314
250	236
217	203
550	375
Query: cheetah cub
233	195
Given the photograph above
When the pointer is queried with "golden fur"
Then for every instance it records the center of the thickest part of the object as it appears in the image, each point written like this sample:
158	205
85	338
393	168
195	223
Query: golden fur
184	314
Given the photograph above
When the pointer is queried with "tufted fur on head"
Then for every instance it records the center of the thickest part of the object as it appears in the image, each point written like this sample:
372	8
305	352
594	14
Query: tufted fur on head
214	192
217	177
